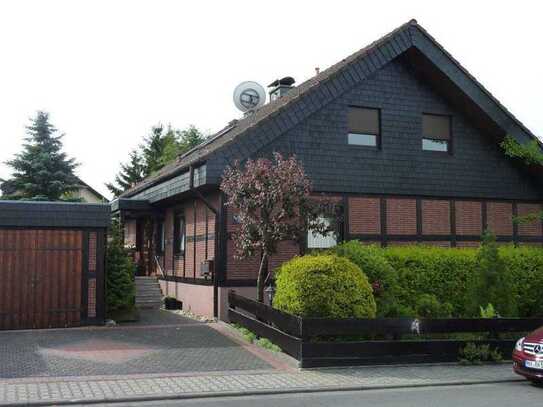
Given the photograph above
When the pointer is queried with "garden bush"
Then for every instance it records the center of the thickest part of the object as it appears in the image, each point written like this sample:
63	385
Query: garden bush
382	277
429	307
323	286
417	280
525	264
444	273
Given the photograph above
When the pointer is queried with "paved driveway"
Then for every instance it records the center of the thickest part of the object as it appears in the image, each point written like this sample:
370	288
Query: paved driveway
161	343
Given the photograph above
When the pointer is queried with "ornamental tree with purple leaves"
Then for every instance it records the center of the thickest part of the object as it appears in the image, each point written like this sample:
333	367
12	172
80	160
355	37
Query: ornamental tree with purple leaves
272	199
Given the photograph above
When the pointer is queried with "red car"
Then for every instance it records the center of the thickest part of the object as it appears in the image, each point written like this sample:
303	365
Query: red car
528	356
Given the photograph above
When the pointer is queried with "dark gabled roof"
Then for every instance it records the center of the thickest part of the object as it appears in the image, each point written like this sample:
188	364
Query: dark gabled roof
409	38
54	214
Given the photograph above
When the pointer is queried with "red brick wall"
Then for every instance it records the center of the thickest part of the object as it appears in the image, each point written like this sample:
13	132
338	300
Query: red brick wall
183	265
91	302
285	251
468	215
91	290
500	218
168	235
401	216
240	269
364	215
531	228
436	217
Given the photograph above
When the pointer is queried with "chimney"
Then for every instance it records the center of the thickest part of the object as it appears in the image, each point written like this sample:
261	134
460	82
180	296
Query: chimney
280	87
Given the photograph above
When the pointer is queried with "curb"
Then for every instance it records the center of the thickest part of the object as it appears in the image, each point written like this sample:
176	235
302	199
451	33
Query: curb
265	392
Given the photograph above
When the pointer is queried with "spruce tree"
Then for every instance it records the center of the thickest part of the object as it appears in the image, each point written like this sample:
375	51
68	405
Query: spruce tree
120	287
190	138
41	171
131	173
153	149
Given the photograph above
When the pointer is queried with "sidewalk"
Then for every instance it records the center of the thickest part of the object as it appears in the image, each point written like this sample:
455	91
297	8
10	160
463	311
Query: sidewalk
40	391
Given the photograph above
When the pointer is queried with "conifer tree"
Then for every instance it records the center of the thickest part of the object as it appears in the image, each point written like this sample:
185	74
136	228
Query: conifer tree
131	173
160	148
153	148
120	287
41	171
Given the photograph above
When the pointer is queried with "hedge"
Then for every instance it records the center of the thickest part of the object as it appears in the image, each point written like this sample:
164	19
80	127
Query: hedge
323	286
439	281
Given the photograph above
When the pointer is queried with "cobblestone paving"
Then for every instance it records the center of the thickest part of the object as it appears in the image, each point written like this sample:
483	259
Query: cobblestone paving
133	388
121	351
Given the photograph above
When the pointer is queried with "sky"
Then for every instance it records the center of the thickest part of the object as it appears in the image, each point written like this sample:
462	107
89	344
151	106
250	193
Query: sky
107	71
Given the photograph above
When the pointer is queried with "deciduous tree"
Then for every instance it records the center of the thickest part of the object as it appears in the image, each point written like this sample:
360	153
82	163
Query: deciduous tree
272	200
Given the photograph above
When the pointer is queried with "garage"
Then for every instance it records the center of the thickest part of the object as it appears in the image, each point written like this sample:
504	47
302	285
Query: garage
52	264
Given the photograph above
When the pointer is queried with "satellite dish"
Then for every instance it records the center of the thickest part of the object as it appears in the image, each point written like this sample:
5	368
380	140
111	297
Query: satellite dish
249	95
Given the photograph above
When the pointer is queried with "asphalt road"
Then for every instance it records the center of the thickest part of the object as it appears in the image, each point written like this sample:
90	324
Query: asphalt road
486	395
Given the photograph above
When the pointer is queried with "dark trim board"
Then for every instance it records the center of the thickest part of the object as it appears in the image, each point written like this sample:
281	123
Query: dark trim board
238	283
443	238
186	280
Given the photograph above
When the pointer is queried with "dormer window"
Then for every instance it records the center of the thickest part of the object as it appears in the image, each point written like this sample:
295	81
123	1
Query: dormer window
364	127
436	133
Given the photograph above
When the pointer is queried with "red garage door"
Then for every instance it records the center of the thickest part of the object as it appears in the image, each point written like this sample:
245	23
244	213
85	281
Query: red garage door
40	278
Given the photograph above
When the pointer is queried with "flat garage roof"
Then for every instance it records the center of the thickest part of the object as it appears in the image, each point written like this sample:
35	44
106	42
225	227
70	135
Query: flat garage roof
54	214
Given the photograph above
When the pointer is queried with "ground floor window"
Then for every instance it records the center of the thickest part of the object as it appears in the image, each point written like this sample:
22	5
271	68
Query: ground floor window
318	241
179	234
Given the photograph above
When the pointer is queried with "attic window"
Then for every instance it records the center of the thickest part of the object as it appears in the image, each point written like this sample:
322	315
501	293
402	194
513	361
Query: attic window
436	132
364	128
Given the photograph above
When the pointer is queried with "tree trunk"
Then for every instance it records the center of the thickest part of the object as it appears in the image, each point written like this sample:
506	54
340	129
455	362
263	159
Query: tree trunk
262	271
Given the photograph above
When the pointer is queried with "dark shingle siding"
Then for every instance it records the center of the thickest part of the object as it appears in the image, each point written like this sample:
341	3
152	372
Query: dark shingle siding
54	214
478	167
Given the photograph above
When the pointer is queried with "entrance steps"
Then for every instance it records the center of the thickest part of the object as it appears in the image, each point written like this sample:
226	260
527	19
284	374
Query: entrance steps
148	293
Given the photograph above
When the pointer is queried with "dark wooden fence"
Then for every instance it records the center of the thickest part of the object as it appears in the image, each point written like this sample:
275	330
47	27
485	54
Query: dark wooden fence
313	341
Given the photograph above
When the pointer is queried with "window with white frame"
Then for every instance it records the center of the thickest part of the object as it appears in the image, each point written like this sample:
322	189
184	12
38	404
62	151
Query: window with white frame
319	241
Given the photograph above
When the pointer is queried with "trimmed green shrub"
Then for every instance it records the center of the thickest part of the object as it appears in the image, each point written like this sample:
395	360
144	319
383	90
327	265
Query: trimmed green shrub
444	273
429	307
381	275
403	278
323	286
525	264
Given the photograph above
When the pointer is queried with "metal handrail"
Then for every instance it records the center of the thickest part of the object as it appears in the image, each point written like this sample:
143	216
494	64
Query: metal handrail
159	267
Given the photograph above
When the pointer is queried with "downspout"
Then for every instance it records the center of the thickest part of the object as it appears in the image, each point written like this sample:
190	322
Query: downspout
218	222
